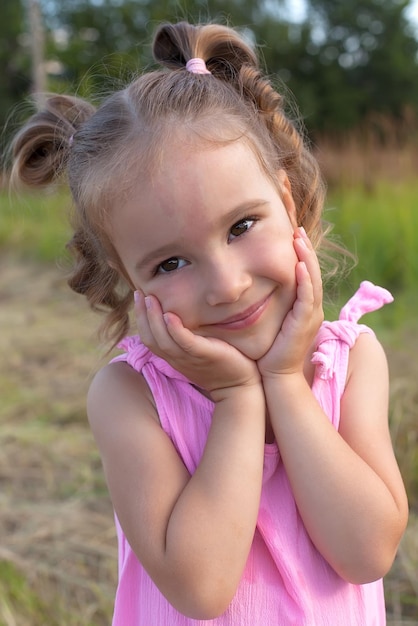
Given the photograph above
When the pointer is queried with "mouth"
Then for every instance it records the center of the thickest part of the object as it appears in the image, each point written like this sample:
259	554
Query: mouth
246	318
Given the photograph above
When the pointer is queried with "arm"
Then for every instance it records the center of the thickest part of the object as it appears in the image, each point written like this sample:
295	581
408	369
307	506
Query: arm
191	533
346	484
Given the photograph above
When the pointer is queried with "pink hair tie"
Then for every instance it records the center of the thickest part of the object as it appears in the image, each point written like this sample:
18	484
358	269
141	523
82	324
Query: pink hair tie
197	66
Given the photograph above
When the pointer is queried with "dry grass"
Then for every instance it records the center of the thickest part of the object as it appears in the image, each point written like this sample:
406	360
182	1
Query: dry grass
55	517
382	149
58	548
402	583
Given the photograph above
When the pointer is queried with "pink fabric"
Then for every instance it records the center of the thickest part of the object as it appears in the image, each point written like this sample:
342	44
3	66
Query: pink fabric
286	582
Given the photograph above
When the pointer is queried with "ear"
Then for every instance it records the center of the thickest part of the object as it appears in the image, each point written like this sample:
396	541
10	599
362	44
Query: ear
287	197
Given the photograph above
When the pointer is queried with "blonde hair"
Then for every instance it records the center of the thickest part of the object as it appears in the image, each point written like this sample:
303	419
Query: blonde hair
95	148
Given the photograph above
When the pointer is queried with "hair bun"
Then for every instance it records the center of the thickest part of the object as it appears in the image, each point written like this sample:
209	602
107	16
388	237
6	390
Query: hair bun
222	48
40	150
173	44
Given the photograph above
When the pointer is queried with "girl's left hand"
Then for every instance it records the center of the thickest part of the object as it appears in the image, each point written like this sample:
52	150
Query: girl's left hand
288	352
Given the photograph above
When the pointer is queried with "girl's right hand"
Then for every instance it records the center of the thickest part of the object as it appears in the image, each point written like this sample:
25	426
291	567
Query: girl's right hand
209	363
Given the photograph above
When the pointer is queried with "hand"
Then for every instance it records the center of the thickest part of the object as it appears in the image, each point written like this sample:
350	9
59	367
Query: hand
300	326
209	363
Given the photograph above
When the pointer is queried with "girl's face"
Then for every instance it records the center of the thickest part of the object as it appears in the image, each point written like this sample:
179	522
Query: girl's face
211	237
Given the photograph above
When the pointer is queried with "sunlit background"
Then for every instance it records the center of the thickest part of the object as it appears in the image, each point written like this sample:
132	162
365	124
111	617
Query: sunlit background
352	68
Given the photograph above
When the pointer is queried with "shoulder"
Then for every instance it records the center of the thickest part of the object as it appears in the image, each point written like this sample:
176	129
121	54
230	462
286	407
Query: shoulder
120	377
367	360
126	426
118	394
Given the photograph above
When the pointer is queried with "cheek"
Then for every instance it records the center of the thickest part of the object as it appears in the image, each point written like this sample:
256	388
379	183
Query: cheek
277	261
176	296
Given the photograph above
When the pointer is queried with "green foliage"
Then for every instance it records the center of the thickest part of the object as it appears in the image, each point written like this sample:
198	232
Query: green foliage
110	42
344	62
34	227
14	62
365	56
381	228
20	604
16	595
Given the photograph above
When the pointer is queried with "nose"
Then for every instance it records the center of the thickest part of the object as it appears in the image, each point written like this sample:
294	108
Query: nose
225	282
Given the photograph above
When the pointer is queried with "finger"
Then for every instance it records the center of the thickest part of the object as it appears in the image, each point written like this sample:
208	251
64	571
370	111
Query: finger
141	318
305	291
182	336
157	326
194	345
172	338
307	254
303	245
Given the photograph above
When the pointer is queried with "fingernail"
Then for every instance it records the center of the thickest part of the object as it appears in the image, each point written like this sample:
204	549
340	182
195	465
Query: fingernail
148	302
136	296
303	232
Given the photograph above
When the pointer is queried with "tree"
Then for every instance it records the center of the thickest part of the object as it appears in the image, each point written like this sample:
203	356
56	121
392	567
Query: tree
363	60
109	40
344	62
15	64
37	46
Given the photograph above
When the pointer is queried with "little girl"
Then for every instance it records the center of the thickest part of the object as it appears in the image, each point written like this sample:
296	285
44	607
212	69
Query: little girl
245	441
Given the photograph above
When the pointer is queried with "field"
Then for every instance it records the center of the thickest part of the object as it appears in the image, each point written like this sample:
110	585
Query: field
58	550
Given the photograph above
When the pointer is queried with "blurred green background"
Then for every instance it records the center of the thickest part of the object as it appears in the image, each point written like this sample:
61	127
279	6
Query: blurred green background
351	69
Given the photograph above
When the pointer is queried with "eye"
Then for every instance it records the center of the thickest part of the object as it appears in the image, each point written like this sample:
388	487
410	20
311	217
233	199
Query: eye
169	265
242	227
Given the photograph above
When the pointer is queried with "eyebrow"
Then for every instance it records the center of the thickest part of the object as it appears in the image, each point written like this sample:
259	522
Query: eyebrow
166	251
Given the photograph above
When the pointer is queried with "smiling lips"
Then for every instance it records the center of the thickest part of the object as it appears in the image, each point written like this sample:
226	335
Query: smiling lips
246	318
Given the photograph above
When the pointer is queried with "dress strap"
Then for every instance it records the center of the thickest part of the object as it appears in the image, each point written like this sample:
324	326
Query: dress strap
368	298
139	356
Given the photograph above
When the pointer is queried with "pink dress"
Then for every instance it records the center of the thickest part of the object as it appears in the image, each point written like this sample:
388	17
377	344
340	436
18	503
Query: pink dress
286	582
